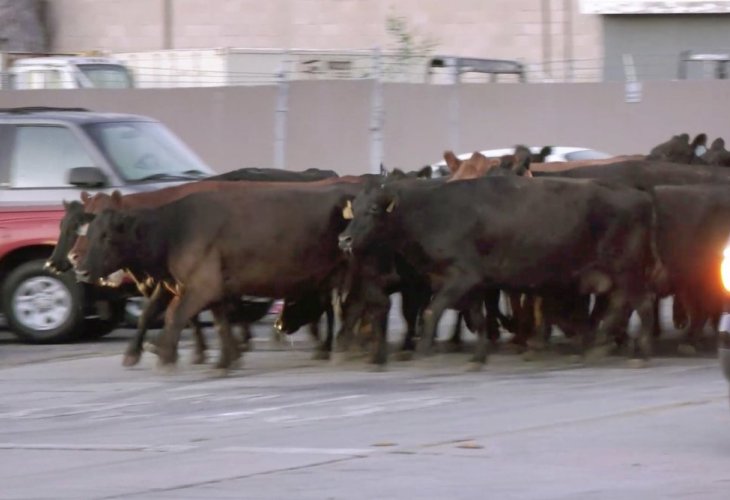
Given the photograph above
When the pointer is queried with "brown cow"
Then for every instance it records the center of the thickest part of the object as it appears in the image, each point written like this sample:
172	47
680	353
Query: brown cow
215	247
479	165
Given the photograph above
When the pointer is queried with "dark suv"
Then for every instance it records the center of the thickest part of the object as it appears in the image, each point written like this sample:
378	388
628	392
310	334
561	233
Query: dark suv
48	155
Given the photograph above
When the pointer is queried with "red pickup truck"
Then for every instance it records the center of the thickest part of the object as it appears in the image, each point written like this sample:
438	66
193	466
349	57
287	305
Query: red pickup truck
48	155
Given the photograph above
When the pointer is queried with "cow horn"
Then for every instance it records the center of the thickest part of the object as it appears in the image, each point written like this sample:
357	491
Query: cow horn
390	207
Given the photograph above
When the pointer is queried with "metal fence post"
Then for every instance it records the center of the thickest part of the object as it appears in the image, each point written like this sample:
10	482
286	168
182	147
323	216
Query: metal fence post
377	117
280	118
454	110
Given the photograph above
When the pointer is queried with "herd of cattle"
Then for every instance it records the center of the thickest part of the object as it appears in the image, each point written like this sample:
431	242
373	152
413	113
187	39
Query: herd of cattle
578	245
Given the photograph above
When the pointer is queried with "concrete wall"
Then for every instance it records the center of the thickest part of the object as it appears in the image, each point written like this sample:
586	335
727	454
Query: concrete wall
534	31
328	122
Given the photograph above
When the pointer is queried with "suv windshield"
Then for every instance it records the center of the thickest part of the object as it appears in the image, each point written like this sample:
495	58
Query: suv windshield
143	151
107	76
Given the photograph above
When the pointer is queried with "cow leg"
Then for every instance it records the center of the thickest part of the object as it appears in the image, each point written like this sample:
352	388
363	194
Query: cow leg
200	344
697	318
379	315
644	305
479	323
448	296
525	321
410	307
352	311
179	313
157	302
679	312
230	352
326	348
491	303
596	343
246	336
454	342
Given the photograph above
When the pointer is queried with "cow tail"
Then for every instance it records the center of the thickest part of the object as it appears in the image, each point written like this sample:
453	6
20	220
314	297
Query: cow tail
658	276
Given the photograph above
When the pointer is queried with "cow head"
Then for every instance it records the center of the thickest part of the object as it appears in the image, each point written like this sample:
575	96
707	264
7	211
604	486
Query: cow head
717	154
540	157
74	219
92	206
299	312
678	149
369	214
112	241
452	161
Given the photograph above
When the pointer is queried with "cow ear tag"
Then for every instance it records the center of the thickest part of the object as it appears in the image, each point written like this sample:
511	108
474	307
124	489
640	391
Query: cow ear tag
390	207
347	211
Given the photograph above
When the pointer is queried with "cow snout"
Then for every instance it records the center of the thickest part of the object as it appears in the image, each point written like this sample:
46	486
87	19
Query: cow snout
345	242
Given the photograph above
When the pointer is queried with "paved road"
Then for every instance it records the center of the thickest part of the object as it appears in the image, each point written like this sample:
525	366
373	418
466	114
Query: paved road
75	424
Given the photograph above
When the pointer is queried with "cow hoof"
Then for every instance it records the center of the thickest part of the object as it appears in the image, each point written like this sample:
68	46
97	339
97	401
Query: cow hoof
452	347
219	372
166	368
636	363
597	353
530	355
512	348
321	355
377	368
535	345
244	346
150	347
236	364
131	359
404	355
575	359
339	357
474	366
198	358
686	350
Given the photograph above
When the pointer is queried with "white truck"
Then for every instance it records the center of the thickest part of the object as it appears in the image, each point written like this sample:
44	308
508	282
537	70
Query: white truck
214	67
25	71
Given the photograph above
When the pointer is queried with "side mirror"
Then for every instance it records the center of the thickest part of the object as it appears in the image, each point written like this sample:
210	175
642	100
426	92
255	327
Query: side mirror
87	177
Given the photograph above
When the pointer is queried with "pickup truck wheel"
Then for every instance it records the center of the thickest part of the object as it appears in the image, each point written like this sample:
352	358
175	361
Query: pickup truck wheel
41	307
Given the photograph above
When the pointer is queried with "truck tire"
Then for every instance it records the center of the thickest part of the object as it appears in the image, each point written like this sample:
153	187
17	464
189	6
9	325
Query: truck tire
41	307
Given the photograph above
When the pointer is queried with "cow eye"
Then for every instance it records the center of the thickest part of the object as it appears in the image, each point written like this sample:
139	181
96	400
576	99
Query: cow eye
374	209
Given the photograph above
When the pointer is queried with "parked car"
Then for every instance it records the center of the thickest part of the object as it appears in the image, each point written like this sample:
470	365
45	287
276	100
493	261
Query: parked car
48	155
559	153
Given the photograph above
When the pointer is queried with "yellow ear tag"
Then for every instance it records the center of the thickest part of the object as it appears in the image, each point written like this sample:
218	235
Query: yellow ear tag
347	211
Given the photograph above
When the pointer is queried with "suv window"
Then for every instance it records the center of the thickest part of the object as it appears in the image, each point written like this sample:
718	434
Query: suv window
43	155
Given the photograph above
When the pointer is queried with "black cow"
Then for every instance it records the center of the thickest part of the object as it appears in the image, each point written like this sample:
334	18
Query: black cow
693	229
274	175
515	234
645	175
717	154
215	247
678	149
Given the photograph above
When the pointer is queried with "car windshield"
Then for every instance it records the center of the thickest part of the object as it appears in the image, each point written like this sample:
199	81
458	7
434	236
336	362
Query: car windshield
107	76
143	151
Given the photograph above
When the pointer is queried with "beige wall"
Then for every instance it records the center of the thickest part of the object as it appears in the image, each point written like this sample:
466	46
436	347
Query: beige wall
328	122
506	29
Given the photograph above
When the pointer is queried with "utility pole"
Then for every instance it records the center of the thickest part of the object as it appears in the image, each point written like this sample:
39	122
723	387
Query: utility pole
167	21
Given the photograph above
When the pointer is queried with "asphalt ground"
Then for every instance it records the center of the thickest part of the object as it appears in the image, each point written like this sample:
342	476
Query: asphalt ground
75	424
